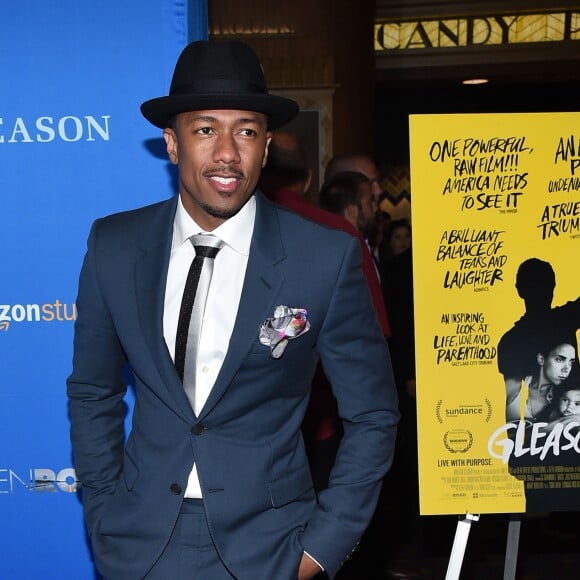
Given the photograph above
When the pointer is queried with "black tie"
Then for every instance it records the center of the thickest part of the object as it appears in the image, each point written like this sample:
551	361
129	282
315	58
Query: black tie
193	308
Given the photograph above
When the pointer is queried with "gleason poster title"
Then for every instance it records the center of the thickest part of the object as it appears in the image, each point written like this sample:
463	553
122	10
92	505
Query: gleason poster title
496	233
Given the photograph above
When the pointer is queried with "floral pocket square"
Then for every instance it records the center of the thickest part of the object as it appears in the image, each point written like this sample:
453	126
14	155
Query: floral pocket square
287	323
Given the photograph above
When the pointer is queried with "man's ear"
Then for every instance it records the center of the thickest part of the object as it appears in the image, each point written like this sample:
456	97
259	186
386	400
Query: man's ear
268	139
171	143
350	214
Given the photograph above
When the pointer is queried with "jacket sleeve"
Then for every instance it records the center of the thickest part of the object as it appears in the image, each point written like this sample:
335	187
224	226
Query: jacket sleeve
95	390
355	358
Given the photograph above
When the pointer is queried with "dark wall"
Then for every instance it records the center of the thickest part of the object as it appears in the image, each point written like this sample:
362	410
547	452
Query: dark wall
394	105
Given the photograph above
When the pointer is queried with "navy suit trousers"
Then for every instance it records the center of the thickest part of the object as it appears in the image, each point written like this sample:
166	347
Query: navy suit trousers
190	553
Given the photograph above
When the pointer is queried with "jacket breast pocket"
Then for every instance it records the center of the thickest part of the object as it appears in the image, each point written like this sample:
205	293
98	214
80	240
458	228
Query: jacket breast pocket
290	487
299	348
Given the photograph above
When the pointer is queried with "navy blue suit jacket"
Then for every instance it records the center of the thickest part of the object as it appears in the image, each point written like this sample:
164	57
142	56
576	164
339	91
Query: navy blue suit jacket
246	442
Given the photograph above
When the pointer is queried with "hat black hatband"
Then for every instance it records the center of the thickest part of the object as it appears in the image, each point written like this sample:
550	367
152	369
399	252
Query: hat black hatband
218	75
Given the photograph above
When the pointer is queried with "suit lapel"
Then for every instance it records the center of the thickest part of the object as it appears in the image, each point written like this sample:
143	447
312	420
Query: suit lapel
261	286
150	279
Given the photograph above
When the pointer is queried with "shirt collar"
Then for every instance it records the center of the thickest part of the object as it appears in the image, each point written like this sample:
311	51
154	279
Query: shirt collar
236	231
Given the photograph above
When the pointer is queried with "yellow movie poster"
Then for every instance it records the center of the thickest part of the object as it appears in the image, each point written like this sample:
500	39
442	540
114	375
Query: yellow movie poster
496	232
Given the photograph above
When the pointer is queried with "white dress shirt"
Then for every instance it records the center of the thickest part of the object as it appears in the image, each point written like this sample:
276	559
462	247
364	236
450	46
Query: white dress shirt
222	301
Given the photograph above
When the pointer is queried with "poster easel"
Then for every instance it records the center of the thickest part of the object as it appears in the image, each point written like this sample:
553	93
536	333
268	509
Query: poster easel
460	543
511	552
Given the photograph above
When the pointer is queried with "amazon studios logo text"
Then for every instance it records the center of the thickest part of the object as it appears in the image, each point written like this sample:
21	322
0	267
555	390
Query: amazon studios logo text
56	311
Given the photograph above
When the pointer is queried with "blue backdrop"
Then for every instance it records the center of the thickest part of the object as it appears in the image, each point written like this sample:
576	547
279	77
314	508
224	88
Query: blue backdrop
73	147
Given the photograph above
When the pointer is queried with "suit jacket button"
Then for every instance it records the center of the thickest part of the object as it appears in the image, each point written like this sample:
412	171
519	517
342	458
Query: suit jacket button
198	429
175	488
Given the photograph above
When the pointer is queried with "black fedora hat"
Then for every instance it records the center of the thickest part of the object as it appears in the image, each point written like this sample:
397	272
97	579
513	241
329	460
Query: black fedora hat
218	75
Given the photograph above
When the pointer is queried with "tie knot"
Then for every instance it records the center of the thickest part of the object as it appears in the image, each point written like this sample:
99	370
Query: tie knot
206	245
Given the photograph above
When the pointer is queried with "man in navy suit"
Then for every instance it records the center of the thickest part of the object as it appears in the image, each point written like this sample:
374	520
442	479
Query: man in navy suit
216	485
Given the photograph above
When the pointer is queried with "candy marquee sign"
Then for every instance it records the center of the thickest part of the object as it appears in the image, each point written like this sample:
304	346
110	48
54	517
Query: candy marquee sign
476	30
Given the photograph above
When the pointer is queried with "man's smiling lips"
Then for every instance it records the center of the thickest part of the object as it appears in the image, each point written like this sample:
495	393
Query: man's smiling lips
225	184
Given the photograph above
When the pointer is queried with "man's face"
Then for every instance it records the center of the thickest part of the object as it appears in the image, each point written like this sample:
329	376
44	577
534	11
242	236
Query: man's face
220	154
569	403
558	364
367	210
367	167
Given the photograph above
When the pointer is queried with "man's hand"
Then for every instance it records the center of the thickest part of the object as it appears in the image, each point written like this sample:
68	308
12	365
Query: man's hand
308	568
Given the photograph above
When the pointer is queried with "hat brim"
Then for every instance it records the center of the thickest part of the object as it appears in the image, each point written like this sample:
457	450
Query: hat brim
279	110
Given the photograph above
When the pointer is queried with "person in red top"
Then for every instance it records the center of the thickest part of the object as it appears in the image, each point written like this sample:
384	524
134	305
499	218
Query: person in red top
285	179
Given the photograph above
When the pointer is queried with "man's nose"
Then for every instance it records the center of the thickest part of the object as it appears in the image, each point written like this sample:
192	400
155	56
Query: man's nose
226	149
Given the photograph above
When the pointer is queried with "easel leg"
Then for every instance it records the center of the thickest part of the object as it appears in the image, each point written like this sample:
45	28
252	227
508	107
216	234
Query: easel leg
459	544
511	552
